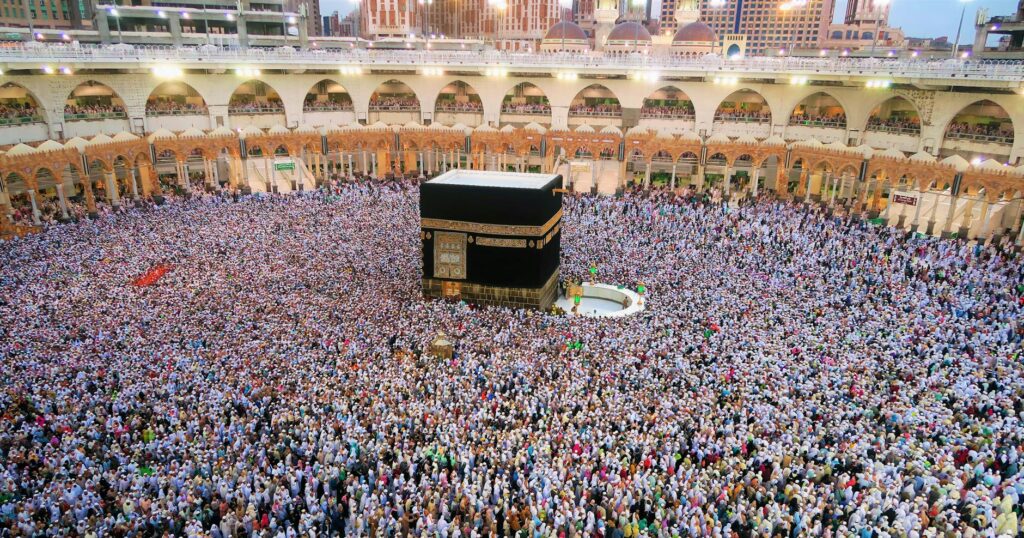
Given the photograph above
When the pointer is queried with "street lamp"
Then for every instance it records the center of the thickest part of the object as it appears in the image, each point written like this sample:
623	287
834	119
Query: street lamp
640	18
28	11
499	11
357	18
425	13
785	7
117	18
564	6
956	43
879	6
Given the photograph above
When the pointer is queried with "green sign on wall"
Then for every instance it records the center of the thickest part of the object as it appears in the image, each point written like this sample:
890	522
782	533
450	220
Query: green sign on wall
284	166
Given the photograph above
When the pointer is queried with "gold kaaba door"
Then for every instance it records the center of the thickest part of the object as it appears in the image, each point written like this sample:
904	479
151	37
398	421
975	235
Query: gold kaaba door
451	289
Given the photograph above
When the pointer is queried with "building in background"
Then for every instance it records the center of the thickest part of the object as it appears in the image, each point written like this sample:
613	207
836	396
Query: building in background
770	26
1009	30
583	15
55	14
311	9
219	22
510	24
865	28
389	18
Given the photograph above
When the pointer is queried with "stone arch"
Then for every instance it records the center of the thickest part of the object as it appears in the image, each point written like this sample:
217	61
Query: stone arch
668	102
819	114
732	108
15	184
455	86
95	96
744	159
166	101
1006	126
9	98
378	99
526	99
265	98
906	119
595	100
334	101
686	156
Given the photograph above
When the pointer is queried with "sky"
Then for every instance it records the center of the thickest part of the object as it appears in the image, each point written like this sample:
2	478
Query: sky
934	18
918	18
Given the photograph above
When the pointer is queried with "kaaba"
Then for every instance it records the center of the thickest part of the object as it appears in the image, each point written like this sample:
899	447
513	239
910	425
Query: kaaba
492	237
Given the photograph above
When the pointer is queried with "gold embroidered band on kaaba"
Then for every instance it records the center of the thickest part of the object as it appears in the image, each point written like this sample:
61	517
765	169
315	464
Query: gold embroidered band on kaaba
492	229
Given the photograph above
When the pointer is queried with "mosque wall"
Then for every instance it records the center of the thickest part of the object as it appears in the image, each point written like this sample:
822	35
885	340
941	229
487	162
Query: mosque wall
935	108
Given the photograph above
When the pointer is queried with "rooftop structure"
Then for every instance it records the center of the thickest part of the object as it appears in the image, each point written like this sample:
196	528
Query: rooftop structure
1009	31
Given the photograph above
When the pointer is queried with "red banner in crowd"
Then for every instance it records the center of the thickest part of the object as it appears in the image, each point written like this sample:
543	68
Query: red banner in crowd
152	276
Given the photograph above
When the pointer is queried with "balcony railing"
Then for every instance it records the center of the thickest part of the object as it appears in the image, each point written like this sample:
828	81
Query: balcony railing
321	108
682	114
455	109
585	113
526	111
894	129
181	112
21	120
255	111
818	123
743	119
991	70
394	108
95	116
973	137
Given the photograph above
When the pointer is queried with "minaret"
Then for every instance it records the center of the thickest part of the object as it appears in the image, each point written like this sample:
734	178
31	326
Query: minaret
606	12
687	11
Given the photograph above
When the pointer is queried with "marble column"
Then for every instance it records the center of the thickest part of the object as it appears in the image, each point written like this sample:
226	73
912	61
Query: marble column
948	226
965	221
647	176
90	196
113	196
63	200
672	182
727	186
755	179
986	220
917	213
35	208
135	186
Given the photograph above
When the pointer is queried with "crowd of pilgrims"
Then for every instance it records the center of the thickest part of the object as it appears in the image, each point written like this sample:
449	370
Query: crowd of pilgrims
18	111
92	109
271	105
894	124
601	109
962	129
817	120
794	374
751	116
167	106
326	105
